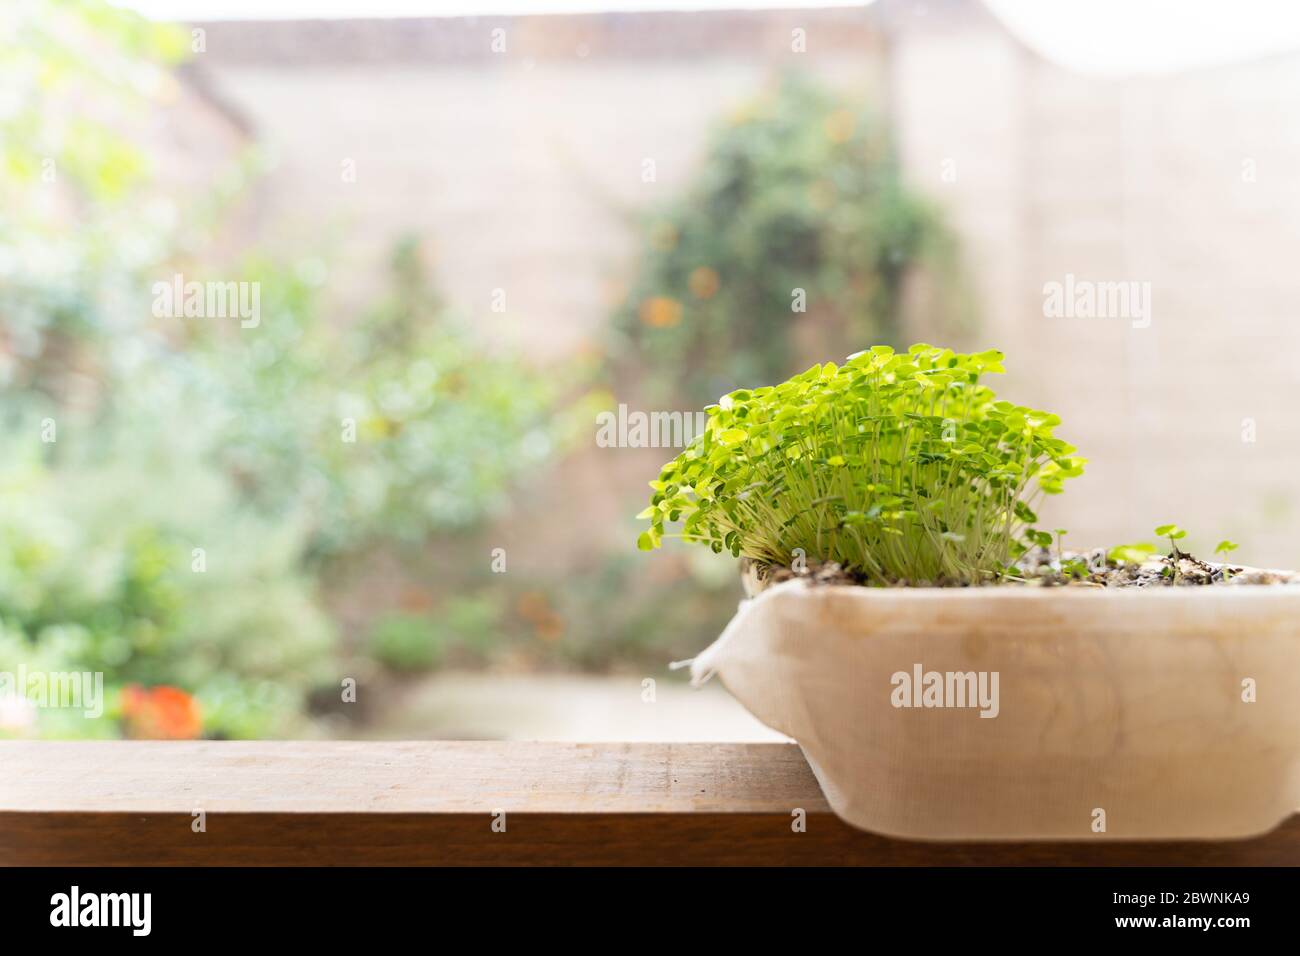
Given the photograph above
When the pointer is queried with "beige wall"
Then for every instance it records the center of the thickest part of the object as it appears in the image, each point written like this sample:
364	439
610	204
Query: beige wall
1132	179
522	168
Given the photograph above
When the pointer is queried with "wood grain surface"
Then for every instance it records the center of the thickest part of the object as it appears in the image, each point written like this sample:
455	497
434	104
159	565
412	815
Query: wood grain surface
418	803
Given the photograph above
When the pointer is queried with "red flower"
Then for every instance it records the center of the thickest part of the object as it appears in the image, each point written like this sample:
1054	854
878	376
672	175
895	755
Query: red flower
160	713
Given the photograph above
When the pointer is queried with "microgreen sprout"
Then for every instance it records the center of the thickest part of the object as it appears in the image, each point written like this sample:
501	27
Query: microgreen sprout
898	466
1135	553
1225	548
1075	567
1174	534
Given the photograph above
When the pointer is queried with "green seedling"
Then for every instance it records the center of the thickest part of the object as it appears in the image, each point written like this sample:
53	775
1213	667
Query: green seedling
1136	553
1225	548
1174	534
1075	568
899	466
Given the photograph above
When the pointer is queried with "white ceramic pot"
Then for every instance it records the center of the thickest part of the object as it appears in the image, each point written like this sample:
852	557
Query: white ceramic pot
1121	714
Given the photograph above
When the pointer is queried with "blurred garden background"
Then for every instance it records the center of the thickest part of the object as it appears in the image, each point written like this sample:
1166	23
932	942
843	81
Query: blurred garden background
471	235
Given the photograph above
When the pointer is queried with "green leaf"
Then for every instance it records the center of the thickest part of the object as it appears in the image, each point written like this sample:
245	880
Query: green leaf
1131	553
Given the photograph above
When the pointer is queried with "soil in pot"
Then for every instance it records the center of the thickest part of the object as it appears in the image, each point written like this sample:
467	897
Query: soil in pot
1041	567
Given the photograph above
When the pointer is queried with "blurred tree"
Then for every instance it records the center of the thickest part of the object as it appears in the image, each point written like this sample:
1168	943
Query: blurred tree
391	428
171	490
77	220
799	215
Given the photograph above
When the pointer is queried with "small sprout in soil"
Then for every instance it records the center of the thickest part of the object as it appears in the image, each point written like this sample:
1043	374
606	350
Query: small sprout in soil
1076	567
1225	548
1131	553
1179	566
899	467
1173	533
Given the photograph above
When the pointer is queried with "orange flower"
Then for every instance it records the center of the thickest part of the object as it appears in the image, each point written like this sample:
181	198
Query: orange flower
661	312
160	713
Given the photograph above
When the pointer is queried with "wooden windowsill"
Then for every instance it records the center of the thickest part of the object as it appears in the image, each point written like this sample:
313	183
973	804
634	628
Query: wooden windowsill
118	802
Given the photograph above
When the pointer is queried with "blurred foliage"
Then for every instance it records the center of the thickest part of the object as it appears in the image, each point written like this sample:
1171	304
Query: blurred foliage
408	641
72	75
174	491
178	434
97	572
628	612
800	190
390	428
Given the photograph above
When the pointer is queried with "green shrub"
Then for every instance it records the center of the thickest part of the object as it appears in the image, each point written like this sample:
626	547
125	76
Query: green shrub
799	207
398	427
98	572
405	641
287	452
901	467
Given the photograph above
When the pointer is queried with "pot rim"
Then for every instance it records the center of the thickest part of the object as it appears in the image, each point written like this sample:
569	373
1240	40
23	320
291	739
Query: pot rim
1019	592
